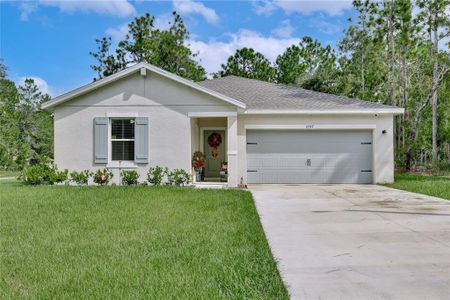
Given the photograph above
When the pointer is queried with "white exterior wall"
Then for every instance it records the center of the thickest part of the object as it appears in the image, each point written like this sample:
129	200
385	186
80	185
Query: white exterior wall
232	151
166	103
174	135
383	147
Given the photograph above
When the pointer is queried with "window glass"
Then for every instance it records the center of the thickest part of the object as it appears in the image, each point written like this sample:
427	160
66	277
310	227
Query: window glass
122	150
122	129
122	139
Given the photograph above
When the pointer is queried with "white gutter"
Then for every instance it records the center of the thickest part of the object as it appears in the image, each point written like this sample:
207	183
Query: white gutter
308	126
393	111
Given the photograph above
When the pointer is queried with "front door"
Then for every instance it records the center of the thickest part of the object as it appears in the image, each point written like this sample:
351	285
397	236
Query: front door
214	149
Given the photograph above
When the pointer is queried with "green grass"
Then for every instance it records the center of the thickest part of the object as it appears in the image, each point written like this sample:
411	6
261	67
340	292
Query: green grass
65	242
5	173
429	185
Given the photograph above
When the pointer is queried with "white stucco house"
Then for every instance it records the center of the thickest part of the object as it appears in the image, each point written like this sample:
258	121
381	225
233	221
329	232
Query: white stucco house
266	133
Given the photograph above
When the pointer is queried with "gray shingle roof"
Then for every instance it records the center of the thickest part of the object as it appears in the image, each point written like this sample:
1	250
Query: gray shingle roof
260	95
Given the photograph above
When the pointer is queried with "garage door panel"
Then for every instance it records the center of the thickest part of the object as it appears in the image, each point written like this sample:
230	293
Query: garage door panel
278	176
365	177
276	160
269	141
289	156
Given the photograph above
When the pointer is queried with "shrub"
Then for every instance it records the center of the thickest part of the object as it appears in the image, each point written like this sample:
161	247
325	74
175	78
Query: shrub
129	177
178	177
80	178
40	174
102	177
156	175
61	176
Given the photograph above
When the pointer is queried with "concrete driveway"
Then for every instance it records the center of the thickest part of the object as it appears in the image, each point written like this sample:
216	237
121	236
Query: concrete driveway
357	241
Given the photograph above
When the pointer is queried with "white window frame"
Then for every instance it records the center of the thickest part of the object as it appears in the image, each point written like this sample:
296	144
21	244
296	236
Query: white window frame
119	163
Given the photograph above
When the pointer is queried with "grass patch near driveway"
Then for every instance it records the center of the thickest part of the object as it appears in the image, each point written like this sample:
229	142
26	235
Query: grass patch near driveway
133	242
429	185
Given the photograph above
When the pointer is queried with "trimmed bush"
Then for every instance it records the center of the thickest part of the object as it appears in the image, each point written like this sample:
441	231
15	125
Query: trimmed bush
80	178
178	177
102	177
156	175
129	177
40	174
61	176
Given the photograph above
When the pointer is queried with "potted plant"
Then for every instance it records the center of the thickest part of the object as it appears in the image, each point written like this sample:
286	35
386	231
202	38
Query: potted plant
198	163
224	171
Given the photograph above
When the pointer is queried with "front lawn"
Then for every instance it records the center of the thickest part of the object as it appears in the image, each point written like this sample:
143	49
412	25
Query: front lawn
133	242
7	173
429	185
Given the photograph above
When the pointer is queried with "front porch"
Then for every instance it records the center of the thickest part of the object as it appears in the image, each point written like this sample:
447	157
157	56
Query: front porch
210	185
215	136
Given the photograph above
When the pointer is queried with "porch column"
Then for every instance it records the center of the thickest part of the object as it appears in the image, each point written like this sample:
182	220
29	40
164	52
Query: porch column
232	151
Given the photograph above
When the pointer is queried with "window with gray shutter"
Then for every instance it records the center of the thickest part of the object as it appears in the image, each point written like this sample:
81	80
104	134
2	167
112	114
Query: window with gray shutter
100	140
141	141
122	139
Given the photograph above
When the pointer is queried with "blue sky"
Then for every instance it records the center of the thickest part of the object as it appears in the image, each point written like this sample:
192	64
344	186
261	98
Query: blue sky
50	40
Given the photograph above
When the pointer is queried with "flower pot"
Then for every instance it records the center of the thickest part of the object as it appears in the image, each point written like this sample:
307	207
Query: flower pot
198	174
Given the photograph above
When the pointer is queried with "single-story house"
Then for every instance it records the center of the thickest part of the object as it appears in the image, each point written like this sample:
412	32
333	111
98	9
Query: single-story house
266	133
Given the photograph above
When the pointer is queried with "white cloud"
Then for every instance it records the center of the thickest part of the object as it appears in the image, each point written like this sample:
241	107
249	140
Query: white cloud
192	7
214	53
326	27
264	7
118	33
162	21
43	86
285	30
117	8
27	8
330	7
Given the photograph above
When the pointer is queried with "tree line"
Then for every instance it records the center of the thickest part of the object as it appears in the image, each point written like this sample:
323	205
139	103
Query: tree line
392	52
26	130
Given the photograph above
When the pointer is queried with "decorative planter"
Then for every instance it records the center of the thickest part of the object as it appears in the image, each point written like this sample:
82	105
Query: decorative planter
198	174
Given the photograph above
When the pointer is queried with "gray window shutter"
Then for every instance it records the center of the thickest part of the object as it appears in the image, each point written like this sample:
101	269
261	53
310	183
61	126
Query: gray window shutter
101	140
141	140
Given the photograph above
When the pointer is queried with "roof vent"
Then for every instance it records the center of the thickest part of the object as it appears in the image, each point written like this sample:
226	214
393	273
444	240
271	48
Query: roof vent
143	72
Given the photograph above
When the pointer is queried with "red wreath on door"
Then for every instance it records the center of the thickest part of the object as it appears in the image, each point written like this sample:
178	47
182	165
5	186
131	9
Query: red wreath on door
214	141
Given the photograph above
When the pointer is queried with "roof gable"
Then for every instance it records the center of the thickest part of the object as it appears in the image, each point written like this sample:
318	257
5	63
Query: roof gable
131	70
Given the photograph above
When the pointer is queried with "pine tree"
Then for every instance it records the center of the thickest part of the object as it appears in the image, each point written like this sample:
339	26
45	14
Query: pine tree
167	49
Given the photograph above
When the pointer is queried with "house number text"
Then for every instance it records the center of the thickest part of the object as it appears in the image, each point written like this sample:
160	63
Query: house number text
310	126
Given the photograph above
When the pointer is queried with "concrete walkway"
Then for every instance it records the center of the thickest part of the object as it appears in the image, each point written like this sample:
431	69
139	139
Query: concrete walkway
357	241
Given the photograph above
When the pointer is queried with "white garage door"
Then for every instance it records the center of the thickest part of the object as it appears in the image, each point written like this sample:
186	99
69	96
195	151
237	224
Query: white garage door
309	156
